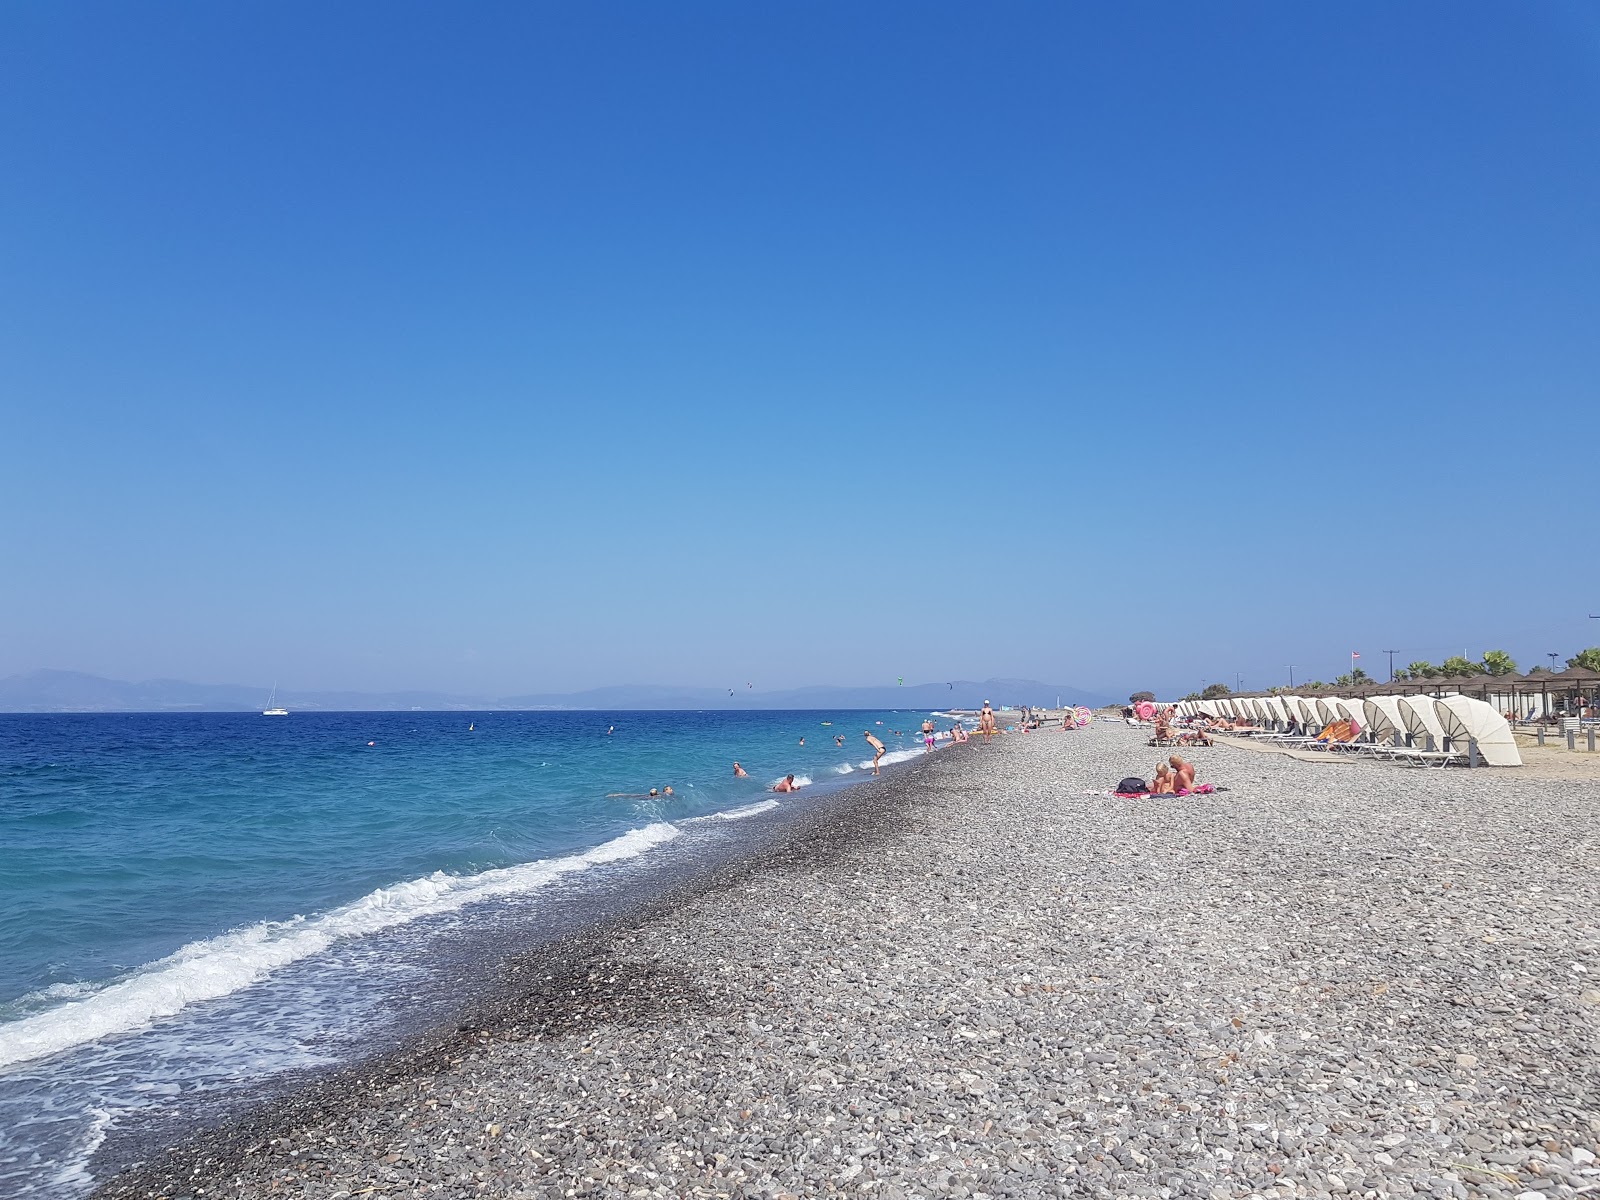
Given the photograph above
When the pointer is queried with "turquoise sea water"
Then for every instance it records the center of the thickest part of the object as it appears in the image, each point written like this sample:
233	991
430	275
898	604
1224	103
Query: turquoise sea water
192	901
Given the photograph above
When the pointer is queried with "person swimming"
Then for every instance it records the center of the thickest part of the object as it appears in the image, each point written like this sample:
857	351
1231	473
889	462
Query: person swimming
786	784
739	772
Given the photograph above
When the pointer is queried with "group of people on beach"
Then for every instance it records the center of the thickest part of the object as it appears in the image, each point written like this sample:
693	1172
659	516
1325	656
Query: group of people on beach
790	783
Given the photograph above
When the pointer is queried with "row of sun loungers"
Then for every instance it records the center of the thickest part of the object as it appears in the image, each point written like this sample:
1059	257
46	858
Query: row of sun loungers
1417	730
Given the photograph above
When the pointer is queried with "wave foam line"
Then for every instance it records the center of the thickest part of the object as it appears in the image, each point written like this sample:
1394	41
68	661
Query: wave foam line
749	810
219	966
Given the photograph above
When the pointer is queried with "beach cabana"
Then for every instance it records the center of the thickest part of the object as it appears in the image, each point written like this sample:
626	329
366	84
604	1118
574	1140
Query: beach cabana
1463	718
1275	711
1352	710
1328	710
1308	715
1416	713
1383	719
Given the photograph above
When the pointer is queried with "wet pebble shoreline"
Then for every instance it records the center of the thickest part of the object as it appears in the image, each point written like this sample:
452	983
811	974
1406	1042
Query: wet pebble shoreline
973	979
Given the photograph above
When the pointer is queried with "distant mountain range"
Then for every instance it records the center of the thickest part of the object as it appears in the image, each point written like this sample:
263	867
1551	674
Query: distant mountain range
73	691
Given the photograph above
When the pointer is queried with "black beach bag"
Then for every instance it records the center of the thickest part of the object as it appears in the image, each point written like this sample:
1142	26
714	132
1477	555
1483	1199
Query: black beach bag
1130	786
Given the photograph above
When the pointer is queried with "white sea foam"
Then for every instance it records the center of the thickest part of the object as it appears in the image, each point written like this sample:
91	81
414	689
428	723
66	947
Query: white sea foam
219	966
843	769
749	810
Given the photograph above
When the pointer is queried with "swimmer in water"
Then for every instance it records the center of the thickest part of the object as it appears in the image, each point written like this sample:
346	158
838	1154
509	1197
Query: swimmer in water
610	731
739	772
802	741
786	784
838	739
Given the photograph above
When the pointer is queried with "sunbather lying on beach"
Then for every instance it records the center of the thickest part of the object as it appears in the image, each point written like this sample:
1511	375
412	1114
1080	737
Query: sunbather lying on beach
1339	731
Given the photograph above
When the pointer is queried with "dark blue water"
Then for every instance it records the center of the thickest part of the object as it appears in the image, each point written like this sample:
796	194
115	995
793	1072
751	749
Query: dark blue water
187	900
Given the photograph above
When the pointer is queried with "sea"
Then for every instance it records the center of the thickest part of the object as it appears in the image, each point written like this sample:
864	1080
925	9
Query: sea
198	909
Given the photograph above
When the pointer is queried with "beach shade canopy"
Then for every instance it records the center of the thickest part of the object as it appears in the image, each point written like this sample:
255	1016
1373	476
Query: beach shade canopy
1352	710
1259	708
1416	713
1383	719
1328	709
1275	710
1307	714
1462	717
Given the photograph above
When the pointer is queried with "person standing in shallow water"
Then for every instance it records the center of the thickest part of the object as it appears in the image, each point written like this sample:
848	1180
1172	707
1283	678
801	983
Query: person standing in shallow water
877	748
927	735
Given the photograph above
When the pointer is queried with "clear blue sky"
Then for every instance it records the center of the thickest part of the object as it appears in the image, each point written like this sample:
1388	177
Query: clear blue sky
531	346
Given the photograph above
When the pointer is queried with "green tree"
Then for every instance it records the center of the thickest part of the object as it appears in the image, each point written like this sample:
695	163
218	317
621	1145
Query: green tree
1358	677
1215	691
1421	669
1138	696
1498	662
1342	681
1456	666
1588	659
1316	685
1192	696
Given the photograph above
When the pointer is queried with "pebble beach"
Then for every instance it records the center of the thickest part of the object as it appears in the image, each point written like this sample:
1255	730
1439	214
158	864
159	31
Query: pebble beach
981	976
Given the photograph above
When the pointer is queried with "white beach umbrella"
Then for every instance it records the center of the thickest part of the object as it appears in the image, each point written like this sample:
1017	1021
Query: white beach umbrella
1416	713
1462	717
1308	714
1328	709
1279	714
1383	719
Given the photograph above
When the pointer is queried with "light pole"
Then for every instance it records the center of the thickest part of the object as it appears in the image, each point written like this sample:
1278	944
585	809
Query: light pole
1238	682
1291	677
1552	656
1391	654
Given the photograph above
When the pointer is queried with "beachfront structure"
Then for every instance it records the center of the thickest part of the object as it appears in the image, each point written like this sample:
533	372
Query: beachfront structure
1438	728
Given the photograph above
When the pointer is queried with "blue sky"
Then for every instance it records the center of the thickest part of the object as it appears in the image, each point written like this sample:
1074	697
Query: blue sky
533	347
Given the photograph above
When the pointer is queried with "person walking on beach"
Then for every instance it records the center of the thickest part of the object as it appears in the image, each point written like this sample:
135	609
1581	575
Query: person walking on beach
877	748
927	735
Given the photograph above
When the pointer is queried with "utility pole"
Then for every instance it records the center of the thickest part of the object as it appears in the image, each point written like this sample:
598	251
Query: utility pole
1391	654
1238	682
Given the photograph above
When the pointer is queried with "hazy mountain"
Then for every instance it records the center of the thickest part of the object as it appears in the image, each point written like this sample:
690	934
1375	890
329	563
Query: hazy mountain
73	691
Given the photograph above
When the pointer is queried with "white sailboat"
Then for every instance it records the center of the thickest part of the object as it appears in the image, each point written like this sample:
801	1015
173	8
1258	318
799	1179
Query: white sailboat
272	709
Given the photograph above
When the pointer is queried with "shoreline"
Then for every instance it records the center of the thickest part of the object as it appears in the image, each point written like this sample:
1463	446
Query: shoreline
981	977
528	993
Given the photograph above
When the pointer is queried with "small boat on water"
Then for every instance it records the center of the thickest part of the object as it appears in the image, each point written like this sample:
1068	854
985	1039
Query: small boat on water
272	709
